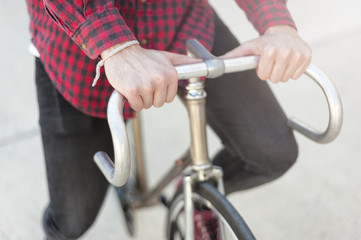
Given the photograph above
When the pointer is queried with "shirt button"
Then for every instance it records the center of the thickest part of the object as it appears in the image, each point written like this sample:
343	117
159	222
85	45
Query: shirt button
84	46
143	1
144	41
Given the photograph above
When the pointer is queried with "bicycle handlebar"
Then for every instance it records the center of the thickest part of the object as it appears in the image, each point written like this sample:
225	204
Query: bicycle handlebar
117	173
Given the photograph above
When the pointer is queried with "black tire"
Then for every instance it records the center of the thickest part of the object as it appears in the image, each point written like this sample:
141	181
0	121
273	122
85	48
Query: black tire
205	192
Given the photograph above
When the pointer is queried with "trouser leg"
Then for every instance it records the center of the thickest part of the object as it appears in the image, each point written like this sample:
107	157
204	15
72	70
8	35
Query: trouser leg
70	139
244	113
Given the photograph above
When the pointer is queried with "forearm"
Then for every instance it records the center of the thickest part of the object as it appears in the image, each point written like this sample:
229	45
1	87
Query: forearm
264	14
93	25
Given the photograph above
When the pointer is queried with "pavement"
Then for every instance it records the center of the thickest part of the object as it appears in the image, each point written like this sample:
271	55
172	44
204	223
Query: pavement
319	198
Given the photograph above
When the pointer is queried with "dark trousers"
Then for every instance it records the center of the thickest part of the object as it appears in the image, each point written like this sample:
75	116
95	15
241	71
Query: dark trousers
258	145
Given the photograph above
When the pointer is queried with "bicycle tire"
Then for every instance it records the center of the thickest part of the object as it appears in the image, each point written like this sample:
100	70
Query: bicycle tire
225	211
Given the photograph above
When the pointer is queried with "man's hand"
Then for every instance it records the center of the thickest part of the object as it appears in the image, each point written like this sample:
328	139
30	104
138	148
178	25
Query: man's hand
282	54
145	77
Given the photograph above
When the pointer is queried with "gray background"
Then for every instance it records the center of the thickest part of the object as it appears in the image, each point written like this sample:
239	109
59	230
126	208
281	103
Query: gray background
319	198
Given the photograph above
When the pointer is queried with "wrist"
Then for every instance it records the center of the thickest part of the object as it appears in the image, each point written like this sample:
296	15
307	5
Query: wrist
280	29
108	53
121	46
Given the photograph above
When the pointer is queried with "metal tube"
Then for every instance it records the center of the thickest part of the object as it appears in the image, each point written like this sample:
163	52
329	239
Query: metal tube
192	70
240	64
231	65
334	108
197	118
141	174
188	208
218	173
116	173
175	171
215	65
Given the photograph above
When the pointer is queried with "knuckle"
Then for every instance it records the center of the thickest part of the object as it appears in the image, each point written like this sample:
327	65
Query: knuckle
297	56
159	80
270	51
147	89
285	54
132	91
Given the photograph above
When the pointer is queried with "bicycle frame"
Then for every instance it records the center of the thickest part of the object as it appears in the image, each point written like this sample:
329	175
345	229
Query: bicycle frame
197	156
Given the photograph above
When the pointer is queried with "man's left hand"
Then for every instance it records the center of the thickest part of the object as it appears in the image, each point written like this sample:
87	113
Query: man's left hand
282	54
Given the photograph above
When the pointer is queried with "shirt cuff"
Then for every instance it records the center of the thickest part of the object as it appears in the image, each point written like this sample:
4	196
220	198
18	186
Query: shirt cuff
270	14
102	31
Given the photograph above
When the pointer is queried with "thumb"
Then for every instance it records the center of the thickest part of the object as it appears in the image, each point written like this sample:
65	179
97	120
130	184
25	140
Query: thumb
245	49
179	59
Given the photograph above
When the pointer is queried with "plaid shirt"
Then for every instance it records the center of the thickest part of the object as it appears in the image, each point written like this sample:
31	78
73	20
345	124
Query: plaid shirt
71	34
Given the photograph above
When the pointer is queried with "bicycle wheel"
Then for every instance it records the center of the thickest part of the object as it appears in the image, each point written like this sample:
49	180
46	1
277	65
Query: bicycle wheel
205	194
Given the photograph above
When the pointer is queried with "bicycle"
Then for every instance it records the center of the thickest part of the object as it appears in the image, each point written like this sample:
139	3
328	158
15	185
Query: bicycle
202	183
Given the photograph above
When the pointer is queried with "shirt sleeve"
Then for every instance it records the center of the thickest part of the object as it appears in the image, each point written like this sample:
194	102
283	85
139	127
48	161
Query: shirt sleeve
266	13
94	25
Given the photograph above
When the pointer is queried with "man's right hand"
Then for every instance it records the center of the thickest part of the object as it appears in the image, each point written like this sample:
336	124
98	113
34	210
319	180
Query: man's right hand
145	77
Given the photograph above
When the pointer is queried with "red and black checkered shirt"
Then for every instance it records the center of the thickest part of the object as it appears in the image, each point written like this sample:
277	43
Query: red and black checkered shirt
71	34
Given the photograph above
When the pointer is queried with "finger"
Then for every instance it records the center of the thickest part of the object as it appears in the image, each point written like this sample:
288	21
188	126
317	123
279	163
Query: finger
136	103
283	57
171	91
159	97
278	71
300	70
286	74
245	49
172	87
289	70
178	59
147	96
264	67
296	61
305	60
160	84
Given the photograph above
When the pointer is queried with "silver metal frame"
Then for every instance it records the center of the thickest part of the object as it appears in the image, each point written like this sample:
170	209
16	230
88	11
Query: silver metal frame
141	173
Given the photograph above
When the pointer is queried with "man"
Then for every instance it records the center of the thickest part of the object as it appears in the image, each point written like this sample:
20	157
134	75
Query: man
72	36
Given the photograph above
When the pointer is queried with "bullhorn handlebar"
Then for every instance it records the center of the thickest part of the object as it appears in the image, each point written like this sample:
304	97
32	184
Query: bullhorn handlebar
117	172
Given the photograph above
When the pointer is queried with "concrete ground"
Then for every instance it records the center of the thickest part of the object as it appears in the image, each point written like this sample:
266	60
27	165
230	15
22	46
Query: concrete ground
319	198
